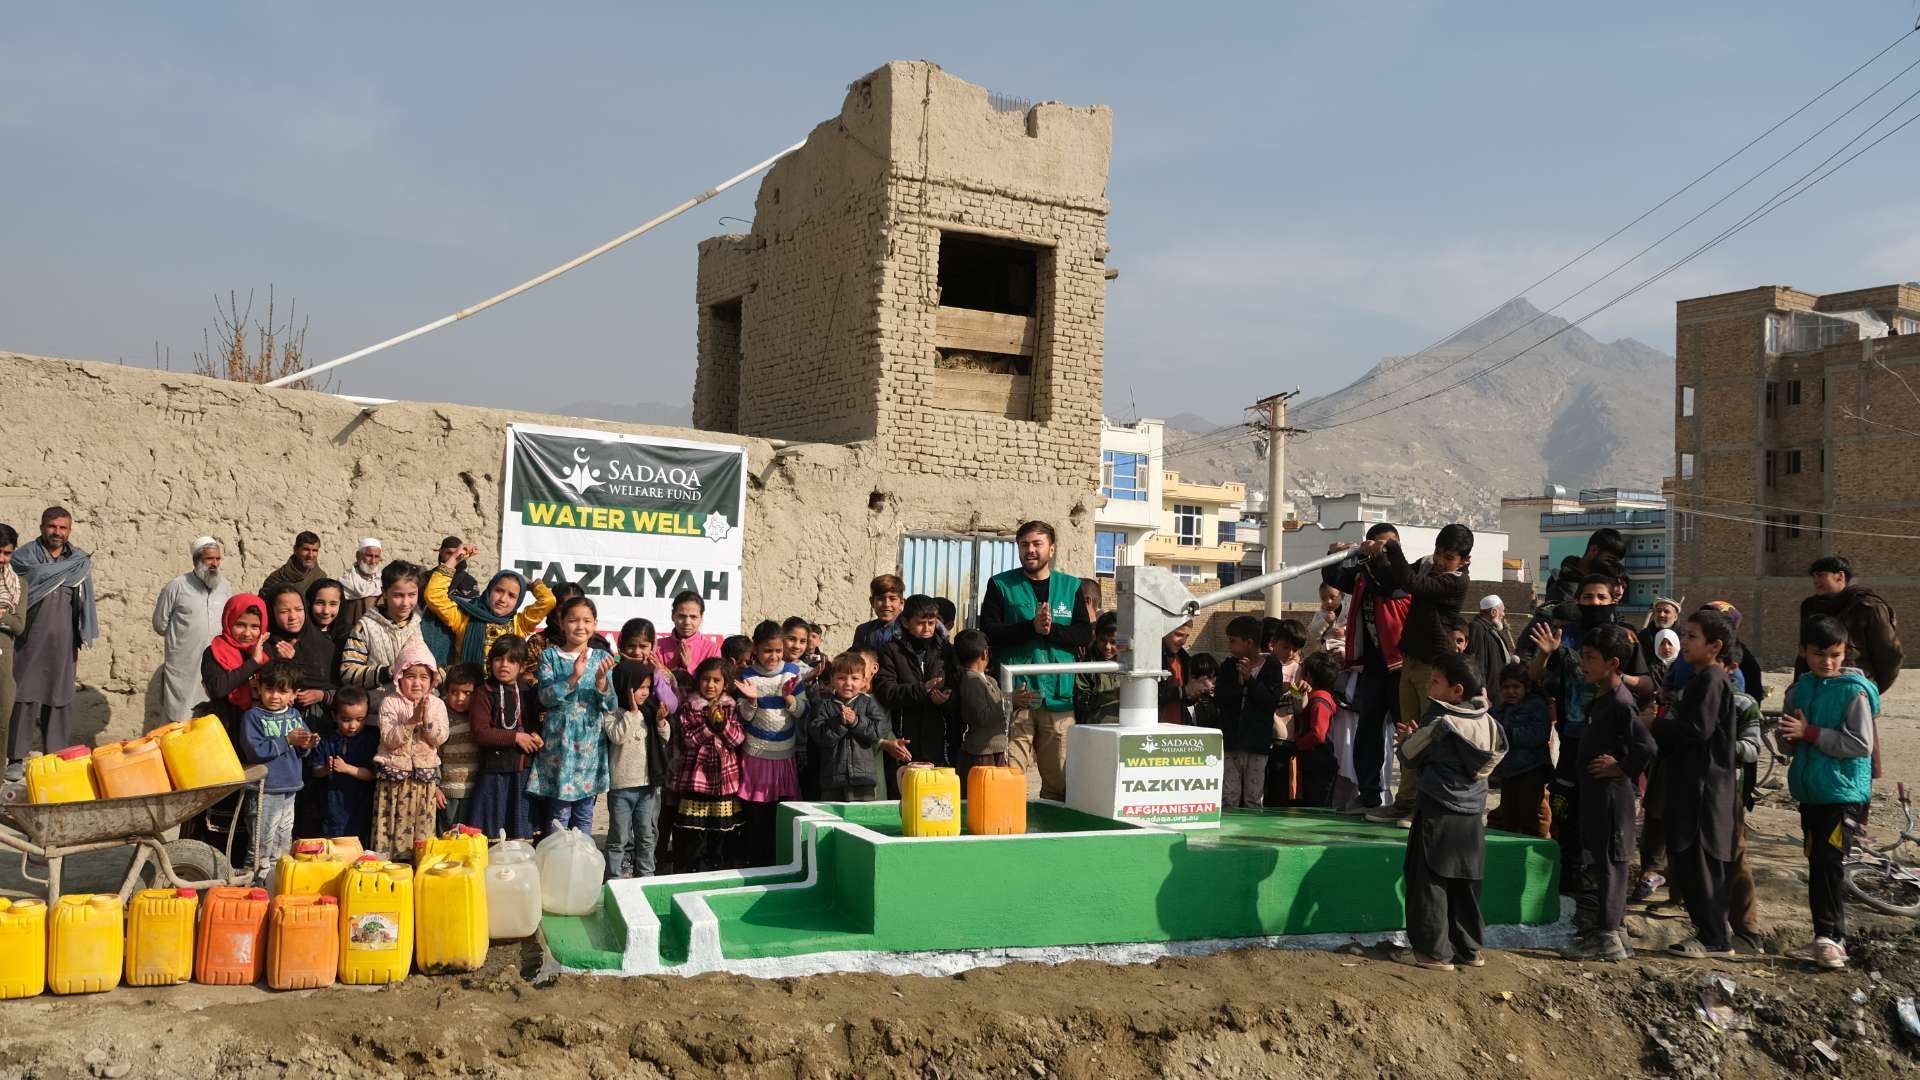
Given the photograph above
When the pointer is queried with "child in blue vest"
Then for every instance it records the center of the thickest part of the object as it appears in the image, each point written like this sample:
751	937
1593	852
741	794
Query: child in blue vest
1830	712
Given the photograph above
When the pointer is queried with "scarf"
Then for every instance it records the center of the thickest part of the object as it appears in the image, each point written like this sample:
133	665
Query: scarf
230	654
358	586
41	573
313	654
480	616
10	589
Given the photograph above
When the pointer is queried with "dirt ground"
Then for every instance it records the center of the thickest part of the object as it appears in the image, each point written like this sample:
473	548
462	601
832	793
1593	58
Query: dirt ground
1243	1013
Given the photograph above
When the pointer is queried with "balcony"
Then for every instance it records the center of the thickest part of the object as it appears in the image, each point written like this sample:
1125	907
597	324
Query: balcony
1175	489
1654	563
1165	549
1618	519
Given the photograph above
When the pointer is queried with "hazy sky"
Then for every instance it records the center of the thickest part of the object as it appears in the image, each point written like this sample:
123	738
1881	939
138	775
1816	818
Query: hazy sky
1297	189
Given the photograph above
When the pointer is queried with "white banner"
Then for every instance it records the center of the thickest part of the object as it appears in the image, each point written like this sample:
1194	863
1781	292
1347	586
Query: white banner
631	519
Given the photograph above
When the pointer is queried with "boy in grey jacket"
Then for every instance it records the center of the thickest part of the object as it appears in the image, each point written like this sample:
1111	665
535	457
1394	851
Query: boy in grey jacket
1455	749
843	726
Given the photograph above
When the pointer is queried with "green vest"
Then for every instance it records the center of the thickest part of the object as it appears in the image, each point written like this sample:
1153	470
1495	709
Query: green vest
1815	778
1017	595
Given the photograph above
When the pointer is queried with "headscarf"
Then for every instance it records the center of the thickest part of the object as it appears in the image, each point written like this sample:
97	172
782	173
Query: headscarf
41	573
313	651
1666	635
230	654
629	674
480	615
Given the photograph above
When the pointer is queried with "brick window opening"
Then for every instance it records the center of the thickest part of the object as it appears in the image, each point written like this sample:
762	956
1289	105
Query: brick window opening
1684	524
1773	398
1686	466
1793	391
1771	467
1792	466
986	326
1686	401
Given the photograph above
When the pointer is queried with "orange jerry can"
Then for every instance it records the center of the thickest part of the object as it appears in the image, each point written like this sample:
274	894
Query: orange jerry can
134	767
303	942
996	800
233	937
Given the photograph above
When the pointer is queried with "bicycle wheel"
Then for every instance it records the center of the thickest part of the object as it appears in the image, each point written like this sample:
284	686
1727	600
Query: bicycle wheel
1883	887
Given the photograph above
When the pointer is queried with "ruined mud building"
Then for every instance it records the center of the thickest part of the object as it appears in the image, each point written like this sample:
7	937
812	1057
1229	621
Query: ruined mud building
908	343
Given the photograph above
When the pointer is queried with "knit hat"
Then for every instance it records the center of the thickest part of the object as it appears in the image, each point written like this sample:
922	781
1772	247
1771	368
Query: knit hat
1668	600
1724	607
1491	601
413	654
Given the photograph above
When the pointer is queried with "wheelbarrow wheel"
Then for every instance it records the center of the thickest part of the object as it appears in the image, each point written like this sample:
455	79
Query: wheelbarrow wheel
192	860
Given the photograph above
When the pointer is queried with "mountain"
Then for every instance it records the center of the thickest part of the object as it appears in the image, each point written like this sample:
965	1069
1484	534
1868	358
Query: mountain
639	412
1576	410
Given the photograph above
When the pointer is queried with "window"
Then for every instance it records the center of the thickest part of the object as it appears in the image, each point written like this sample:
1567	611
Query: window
1123	476
1773	398
1229	533
1686	401
1186	525
1768	470
1108	548
1792	463
1186	573
1773	535
1773	333
1684	522
1228	572
1823	459
1910	326
1686	466
1793	391
983	275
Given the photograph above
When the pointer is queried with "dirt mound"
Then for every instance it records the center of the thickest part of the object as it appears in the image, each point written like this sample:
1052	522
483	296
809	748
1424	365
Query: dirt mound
1245	1013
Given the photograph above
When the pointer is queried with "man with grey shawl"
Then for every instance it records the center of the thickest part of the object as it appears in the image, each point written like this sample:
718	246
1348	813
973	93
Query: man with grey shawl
57	578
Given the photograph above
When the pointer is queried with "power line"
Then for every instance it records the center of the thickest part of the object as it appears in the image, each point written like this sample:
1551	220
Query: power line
1823	129
1801	528
1789	509
1776	201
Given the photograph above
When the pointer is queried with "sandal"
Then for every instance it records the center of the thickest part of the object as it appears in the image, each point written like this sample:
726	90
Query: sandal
1421	960
1694	949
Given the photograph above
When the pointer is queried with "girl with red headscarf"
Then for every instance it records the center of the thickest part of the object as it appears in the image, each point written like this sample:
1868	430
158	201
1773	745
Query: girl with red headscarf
227	668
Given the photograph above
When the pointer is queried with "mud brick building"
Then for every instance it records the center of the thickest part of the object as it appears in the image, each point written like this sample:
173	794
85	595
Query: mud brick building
1795	437
928	272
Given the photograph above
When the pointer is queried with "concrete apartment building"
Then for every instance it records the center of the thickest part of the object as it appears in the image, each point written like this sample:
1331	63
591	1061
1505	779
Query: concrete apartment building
1553	526
926	277
1132	489
1150	516
1198	538
1795	416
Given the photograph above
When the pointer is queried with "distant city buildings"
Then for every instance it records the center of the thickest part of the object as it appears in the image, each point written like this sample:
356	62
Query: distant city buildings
1548	528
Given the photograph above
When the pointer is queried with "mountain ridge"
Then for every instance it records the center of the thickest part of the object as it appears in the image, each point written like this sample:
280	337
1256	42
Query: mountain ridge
1566	408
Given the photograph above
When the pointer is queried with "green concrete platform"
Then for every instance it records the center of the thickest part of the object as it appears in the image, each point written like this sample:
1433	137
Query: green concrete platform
852	884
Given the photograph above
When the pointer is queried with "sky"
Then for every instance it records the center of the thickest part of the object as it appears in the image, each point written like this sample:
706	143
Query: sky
1297	189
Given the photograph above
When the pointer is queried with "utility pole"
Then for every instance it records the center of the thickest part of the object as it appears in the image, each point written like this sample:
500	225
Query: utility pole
1274	410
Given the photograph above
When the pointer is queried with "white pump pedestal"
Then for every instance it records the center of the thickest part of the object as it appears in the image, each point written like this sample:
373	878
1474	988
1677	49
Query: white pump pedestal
1168	774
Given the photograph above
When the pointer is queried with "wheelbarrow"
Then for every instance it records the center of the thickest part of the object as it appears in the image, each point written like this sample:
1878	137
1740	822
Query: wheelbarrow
55	831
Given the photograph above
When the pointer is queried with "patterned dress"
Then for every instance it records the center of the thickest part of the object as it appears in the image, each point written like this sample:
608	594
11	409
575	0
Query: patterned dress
573	763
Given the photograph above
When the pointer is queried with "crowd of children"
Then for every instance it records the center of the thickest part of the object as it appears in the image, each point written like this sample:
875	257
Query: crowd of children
1626	744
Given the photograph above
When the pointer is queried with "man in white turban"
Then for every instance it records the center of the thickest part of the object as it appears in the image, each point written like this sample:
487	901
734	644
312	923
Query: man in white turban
187	616
360	582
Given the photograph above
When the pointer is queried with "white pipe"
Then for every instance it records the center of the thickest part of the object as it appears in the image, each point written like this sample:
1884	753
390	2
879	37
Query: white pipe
541	280
369	402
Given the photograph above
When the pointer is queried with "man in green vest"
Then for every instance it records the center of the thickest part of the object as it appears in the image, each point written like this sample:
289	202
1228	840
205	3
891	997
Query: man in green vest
1038	615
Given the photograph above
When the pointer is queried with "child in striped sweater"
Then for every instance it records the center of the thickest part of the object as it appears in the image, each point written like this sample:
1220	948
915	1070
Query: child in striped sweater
459	755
